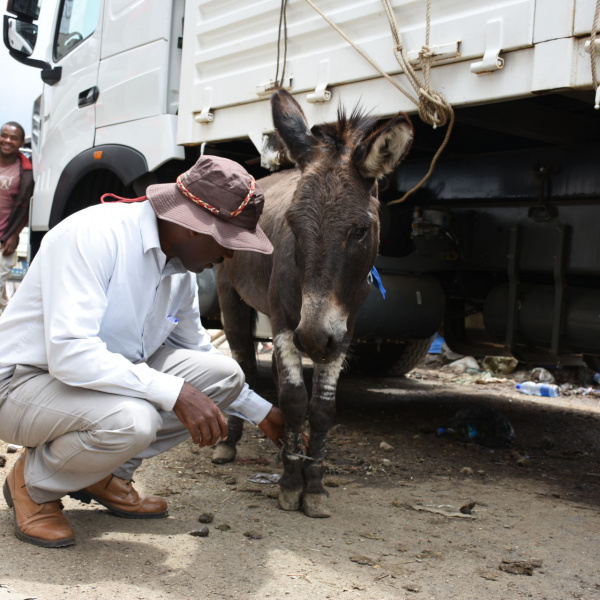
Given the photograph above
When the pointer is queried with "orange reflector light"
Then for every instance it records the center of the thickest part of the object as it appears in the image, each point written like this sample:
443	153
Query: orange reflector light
98	155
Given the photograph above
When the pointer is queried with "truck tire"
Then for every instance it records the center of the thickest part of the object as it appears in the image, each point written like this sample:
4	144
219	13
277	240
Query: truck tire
386	358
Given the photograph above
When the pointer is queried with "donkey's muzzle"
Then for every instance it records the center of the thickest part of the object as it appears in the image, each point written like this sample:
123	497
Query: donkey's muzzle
320	346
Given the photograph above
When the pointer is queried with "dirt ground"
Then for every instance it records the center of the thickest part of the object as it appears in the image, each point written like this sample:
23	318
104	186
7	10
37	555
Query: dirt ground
396	530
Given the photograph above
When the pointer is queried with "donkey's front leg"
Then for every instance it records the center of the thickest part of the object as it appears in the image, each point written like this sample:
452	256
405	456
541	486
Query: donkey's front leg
321	412
293	401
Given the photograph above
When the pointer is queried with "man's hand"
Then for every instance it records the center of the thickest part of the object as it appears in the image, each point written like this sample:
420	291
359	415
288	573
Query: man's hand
272	426
10	245
201	416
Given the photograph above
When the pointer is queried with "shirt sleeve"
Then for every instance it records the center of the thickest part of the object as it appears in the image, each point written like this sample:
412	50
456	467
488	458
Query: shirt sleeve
76	268
249	406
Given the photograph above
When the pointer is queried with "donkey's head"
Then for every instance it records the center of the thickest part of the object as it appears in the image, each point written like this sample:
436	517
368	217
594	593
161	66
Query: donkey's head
334	215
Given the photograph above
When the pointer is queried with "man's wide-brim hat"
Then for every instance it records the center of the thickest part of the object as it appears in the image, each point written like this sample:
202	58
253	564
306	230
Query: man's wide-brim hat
216	197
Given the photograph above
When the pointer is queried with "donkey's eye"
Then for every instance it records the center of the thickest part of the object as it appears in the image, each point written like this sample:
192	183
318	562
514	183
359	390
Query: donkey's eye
360	233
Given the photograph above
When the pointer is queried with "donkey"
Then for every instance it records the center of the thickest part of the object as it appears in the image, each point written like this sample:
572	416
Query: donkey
322	218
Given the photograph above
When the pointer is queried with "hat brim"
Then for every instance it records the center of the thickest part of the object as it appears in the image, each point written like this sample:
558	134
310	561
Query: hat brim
171	205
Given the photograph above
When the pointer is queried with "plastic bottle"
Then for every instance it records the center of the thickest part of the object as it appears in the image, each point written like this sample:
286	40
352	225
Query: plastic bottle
596	378
539	389
481	425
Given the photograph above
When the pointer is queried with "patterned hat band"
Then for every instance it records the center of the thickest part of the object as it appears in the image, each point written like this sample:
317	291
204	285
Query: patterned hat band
207	206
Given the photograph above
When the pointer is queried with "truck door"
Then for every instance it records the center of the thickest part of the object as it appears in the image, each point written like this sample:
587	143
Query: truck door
68	106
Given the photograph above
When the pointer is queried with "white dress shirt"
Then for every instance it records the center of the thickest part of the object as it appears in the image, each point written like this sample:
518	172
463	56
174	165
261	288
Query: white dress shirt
99	299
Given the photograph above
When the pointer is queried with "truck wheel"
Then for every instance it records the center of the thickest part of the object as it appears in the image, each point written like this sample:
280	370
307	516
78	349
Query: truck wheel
386	358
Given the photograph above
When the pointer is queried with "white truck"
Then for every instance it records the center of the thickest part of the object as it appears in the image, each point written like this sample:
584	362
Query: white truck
500	244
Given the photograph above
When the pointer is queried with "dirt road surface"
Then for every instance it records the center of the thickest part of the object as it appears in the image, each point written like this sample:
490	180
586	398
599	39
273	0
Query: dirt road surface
396	531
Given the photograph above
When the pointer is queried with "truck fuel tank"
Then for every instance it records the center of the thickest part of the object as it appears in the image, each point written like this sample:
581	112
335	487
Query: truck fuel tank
580	332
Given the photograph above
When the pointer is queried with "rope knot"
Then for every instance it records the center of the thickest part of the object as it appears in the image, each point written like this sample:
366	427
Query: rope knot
425	52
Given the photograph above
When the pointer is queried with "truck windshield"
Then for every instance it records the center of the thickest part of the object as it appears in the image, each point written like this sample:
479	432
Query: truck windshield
78	20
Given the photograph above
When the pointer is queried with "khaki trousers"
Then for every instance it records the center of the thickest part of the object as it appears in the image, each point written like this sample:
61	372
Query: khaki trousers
77	436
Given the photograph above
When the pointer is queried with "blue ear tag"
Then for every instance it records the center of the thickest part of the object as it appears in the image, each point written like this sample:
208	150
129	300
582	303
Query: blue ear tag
375	279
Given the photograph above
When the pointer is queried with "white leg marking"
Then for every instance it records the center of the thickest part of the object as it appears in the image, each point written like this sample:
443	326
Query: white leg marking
290	367
327	378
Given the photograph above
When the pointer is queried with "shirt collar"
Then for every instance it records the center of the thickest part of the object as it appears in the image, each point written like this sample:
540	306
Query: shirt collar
151	240
149	227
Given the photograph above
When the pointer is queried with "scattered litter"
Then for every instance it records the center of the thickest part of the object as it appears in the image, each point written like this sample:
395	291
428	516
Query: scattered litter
488	377
466	471
409	587
467	364
586	391
265	478
385	446
299	576
534	388
200	532
502	365
481	425
439	511
449	355
542	375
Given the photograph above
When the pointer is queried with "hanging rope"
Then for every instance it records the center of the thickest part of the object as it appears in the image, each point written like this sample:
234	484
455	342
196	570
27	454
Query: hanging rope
593	55
282	26
433	108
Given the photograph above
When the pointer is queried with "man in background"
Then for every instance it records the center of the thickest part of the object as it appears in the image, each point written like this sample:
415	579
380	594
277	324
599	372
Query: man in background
16	188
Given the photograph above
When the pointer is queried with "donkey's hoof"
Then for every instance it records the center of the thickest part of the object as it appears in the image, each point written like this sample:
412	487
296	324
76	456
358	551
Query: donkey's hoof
289	499
315	506
223	453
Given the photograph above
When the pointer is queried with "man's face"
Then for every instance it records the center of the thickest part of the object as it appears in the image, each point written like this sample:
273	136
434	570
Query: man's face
10	142
197	251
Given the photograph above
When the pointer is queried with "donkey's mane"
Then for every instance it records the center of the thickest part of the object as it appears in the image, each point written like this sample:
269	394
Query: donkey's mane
348	130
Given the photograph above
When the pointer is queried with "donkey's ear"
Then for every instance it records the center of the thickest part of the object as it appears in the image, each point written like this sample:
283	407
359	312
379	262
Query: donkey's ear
291	125
379	153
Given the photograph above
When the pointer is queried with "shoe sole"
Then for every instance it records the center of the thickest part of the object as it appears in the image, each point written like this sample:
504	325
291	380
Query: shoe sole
26	538
87	498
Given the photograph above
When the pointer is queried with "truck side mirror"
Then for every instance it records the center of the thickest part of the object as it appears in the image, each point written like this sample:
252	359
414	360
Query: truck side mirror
20	36
27	10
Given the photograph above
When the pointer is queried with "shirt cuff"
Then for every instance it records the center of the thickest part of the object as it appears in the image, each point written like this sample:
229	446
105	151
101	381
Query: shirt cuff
249	406
164	390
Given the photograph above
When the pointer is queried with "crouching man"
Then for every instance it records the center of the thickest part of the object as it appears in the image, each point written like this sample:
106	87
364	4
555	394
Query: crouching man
103	359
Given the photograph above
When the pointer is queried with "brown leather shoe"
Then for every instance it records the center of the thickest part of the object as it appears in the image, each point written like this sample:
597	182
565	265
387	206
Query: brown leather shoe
39	524
121	498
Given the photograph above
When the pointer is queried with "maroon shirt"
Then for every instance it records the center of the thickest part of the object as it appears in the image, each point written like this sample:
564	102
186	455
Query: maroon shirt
9	187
